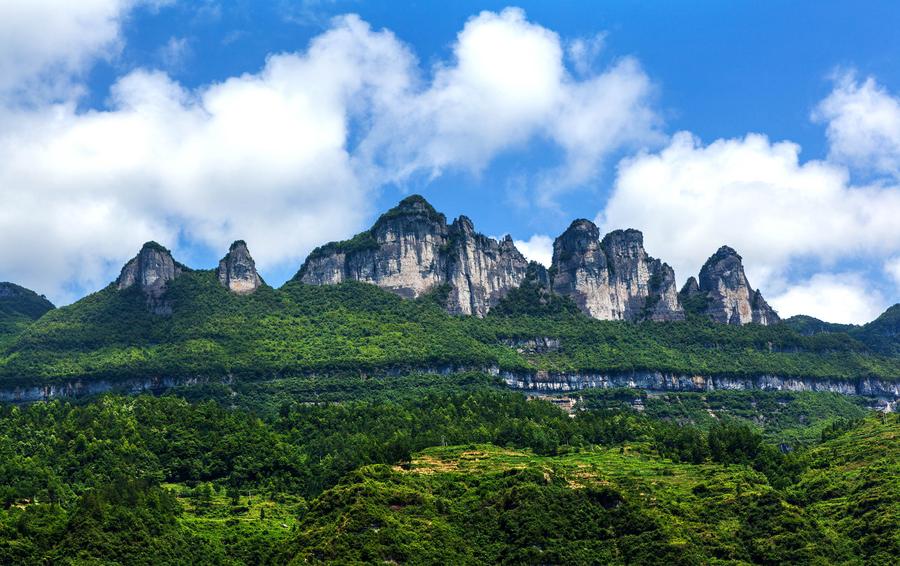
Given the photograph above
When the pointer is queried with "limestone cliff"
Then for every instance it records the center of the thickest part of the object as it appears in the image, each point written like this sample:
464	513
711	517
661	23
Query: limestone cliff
480	270
613	279
237	270
579	269
729	299
411	250
151	270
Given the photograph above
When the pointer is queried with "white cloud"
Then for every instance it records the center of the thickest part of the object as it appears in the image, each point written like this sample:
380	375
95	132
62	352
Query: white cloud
755	196
270	157
507	86
584	51
843	298
537	248
260	157
44	42
863	125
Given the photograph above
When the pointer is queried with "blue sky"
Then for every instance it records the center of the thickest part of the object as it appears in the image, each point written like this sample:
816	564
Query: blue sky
770	126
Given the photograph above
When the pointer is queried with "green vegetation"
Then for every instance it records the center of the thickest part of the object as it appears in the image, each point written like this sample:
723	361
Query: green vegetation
881	335
19	307
311	440
354	327
423	469
532	299
782	417
483	504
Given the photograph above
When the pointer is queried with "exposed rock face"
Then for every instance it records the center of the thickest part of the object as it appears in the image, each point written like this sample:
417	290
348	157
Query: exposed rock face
152	268
885	391
237	270
480	270
729	297
691	288
579	267
884	394
614	279
411	249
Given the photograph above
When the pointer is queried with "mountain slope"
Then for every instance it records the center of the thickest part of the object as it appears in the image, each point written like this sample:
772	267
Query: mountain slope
19	307
209	331
484	504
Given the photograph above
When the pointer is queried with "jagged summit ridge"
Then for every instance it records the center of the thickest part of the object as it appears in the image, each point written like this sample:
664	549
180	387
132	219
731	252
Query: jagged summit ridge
237	270
411	249
613	278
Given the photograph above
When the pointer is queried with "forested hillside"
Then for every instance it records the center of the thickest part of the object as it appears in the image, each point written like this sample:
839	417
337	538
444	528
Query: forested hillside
19	307
358	327
426	470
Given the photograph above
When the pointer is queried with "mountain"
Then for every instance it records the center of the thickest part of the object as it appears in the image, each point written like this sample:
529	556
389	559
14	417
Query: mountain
19	307
209	333
613	279
411	250
19	301
881	334
723	292
150	271
808	325
237	270
388	300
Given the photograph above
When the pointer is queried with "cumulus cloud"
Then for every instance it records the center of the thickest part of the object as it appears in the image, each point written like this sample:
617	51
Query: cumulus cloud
261	157
584	51
287	157
537	248
43	43
508	85
755	196
863	125
844	298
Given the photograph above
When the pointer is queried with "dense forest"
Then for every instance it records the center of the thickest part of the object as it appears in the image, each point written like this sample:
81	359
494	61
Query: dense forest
301	329
428	469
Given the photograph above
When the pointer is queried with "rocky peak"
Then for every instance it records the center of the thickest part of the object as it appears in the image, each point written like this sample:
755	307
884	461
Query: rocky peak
581	238
463	225
624	244
151	269
613	279
414	204
730	299
480	270
410	250
726	266
237	270
537	274
413	212
691	288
